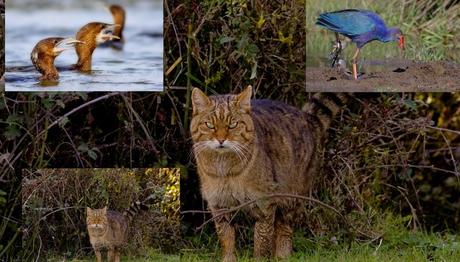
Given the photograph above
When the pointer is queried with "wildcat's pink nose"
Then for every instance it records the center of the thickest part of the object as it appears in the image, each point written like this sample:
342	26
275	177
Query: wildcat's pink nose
221	141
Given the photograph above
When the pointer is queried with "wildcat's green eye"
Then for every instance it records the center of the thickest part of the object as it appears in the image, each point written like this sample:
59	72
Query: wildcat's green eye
209	125
232	125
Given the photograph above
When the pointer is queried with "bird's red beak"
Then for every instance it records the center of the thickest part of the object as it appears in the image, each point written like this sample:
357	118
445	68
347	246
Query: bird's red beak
401	42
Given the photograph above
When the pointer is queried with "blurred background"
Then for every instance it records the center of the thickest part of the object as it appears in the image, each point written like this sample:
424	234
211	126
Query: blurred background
139	67
431	29
429	63
54	211
394	156
2	44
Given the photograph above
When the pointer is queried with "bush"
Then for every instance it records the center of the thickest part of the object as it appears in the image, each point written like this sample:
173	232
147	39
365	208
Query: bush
55	201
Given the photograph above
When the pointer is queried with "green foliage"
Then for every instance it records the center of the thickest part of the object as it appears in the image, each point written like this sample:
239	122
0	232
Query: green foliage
170	181
430	28
390	153
81	130
144	129
2	45
382	148
55	201
395	243
389	168
149	255
237	43
40	130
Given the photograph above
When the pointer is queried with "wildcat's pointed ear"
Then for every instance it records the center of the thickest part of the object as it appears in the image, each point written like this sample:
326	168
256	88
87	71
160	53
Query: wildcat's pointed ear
244	99
88	210
200	101
105	210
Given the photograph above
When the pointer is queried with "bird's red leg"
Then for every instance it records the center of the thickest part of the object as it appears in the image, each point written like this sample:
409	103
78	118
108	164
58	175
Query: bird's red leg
355	60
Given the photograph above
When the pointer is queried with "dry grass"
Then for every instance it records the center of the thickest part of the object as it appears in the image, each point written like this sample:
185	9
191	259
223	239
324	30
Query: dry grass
431	28
55	201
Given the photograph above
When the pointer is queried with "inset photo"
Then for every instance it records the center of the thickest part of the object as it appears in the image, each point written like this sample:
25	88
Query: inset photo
382	46
101	215
2	43
84	45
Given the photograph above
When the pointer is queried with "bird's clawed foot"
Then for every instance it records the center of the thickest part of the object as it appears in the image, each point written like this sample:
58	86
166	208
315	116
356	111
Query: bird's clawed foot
337	49
335	53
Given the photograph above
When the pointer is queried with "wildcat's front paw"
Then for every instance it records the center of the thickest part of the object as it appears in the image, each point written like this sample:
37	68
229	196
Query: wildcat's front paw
229	258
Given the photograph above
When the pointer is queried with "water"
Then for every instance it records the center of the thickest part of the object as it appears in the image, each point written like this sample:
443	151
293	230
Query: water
138	67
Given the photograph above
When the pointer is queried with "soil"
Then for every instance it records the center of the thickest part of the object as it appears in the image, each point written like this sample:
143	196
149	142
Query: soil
387	76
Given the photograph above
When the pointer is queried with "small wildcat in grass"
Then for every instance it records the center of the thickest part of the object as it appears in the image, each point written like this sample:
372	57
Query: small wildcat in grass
248	149
108	229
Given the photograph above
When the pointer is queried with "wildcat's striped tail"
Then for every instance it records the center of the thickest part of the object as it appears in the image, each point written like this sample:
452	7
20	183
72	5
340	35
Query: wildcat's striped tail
324	107
134	209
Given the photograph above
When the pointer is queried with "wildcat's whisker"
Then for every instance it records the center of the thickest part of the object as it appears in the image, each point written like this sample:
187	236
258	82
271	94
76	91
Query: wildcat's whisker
108	229
198	148
240	150
275	158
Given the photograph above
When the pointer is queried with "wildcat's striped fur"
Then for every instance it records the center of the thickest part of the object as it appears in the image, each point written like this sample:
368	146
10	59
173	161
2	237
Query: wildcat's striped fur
247	149
108	229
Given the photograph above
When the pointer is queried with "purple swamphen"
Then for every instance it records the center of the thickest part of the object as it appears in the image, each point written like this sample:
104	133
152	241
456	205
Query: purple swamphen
361	26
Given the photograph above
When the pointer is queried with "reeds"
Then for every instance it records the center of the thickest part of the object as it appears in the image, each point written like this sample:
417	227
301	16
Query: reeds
431	27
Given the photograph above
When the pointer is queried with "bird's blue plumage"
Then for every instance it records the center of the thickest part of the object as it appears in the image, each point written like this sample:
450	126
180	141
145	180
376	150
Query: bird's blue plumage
361	26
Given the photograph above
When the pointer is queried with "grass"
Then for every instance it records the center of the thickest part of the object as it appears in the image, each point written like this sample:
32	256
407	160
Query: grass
409	247
428	37
151	255
319	40
391	240
165	258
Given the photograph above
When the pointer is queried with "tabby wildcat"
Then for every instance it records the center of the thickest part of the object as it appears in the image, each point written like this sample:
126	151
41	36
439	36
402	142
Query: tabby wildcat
108	229
247	149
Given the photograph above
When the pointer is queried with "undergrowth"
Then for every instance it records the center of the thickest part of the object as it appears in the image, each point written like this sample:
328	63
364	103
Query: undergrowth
396	242
431	29
148	255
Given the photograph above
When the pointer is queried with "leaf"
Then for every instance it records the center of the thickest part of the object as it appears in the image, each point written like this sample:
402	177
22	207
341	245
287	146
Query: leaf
253	71
195	79
15	118
64	121
243	41
226	39
410	104
11	132
83	148
252	50
261	21
2	104
285	40
82	95
92	154
60	103
48	103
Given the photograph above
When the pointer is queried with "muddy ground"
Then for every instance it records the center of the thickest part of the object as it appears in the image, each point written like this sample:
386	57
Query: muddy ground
387	76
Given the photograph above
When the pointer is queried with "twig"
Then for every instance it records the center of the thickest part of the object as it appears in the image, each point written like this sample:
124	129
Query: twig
451	156
380	243
189	78
230	210
77	109
144	128
412	209
171	68
179	121
225	211
444	129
